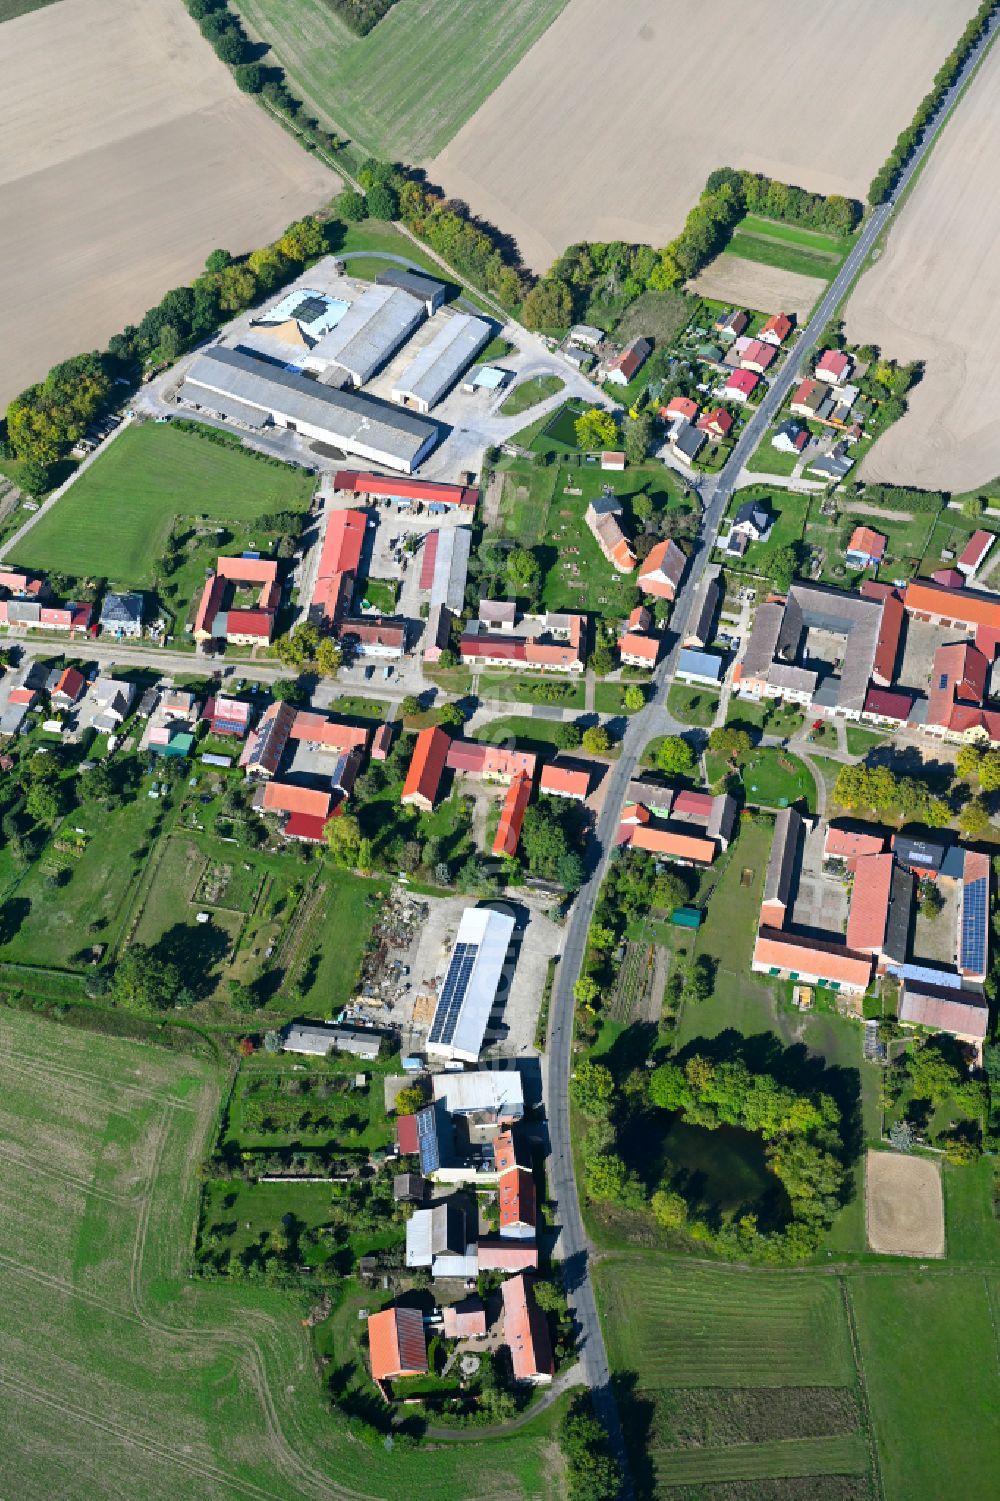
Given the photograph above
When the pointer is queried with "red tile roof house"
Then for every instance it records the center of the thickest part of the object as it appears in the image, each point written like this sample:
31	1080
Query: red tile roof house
628	364
718	423
817	962
866	549
245	627
68	689
869	912
427	765
958	676
887	709
776	329
663	570
397	1345
475	758
758	356
464	1320
494	1254
515	805
613	459
558	780
974	554
833	366
392	487
518	1213
740	386
526	1332
382	742
851	845
638	650
887	645
227	716
808	397
601	517
339	561
681	407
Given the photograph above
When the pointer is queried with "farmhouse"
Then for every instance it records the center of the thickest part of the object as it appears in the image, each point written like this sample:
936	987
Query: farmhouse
357	424
489	763
866	548
689	827
526	1332
368	334
555	640
602	518
339	561
30	615
663	570
438	366
963	1013
427	764
626	365
825	627
470	985
220	618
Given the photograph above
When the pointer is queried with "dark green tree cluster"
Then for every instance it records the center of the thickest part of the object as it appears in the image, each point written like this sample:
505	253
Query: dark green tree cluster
878	790
467	246
779	200
801	1135
361	16
550	841
592	1473
908	140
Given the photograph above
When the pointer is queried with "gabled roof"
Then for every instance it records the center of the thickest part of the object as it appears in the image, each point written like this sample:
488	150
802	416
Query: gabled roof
870	543
869	903
931	1006
396	1343
680	406
782	859
779	325
660	841
71	683
663	569
887	645
964	605
427	764
717	418
515	806
517	1198
560	780
833	364
975	550
742	381
778	949
635	644
889	705
285	797
525	1331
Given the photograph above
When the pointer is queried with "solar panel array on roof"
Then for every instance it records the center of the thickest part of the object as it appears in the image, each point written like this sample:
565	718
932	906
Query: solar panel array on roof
973	937
309	309
427	1142
456	983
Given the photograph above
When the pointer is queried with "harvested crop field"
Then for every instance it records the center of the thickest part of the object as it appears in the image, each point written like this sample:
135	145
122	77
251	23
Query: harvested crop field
610	125
769	289
904	1205
934	295
126	154
120	1375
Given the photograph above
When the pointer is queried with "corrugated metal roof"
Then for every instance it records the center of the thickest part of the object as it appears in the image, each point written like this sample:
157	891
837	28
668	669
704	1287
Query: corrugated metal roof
360	424
440	363
369	332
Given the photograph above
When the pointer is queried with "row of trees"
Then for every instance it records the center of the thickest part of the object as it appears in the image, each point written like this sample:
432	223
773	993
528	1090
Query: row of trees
908	140
879	790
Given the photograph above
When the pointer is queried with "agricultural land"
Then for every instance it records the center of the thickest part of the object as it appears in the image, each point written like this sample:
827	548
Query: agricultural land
925	296
128	150
405	89
597	76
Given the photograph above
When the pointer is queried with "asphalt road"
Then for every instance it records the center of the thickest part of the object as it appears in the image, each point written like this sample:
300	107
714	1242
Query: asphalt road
655	720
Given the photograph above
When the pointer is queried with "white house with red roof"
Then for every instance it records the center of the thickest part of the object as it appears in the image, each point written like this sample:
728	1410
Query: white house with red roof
834	366
739	386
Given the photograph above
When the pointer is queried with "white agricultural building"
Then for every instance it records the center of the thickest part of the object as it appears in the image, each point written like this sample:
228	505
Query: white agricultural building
440	363
470	985
254	394
368	334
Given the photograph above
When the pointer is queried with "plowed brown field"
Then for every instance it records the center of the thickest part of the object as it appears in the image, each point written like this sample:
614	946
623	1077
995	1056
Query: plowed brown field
126	154
609	126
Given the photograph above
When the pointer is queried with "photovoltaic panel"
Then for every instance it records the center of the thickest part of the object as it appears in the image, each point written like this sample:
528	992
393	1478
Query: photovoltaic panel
974	915
427	1142
456	983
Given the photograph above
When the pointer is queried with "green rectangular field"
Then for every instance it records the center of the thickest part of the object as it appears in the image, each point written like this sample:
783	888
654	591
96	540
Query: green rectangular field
156	1384
113	522
404	90
716	1327
929	1352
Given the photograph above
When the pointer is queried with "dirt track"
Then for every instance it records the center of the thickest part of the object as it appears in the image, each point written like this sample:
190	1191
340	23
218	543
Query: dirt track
934	295
610	125
904	1206
126	155
730	278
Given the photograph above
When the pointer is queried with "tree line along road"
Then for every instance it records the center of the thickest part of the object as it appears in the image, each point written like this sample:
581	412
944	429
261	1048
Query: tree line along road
656	720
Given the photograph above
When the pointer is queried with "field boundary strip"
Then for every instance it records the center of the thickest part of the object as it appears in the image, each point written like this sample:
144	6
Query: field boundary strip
876	1468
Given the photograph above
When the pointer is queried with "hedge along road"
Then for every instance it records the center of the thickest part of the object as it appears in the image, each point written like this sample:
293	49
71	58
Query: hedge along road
654	719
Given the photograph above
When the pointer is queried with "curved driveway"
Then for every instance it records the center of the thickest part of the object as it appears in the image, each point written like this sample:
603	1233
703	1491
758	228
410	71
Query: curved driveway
655	720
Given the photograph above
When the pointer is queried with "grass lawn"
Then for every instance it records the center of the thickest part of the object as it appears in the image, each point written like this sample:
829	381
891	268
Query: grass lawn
860	742
805	251
928	1348
950	532
114	520
525	503
608	697
538	735
53	926
133	1123
529	393
354	706
772	779
381	594
973	1232
659	316
562	693
264	1115
327	973
404	90
693	706
789	511
769	460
